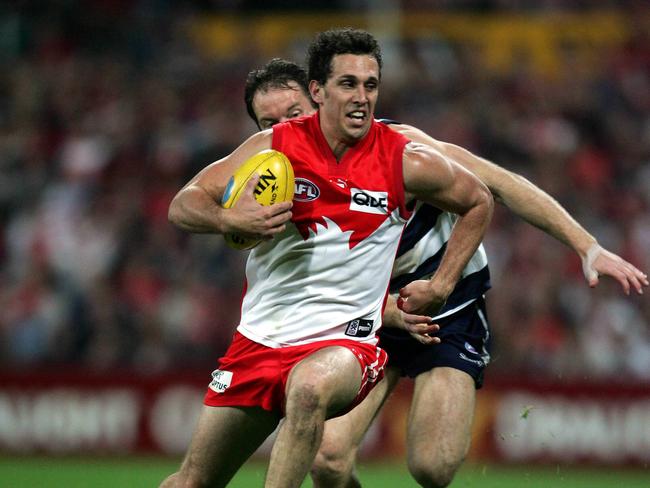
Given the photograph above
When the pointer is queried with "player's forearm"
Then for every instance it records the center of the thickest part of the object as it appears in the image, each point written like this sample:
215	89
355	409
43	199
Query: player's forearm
392	316
541	210
193	210
463	242
525	199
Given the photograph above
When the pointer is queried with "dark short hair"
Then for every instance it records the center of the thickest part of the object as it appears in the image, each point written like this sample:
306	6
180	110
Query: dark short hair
277	73
339	41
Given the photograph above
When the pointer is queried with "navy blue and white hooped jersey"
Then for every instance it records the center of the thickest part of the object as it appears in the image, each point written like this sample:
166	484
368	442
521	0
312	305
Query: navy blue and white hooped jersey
423	244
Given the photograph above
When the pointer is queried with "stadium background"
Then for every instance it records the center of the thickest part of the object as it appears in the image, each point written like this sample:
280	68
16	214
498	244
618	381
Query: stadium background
111	320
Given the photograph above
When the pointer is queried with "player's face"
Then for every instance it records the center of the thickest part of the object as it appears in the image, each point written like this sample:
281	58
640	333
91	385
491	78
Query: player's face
348	98
280	104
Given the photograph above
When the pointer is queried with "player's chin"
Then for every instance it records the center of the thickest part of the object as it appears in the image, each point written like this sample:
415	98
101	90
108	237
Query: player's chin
357	129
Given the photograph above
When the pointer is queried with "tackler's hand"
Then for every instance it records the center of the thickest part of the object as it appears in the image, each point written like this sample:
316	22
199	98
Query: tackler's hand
421	328
598	262
421	297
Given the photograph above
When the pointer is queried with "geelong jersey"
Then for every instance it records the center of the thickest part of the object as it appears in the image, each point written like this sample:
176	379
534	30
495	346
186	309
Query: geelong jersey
423	244
326	277
421	249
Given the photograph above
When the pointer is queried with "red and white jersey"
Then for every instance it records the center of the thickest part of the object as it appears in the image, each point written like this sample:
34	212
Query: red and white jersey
326	276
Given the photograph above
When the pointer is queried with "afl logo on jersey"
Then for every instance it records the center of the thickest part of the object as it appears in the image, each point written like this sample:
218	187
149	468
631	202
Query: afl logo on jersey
305	190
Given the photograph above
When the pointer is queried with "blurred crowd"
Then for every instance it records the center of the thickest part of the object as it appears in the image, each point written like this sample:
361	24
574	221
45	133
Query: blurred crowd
105	115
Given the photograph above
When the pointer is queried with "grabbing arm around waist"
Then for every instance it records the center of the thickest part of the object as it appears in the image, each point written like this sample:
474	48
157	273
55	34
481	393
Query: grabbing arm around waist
420	327
431	177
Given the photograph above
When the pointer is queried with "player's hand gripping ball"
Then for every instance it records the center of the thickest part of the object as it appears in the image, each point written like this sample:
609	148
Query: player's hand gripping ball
276	184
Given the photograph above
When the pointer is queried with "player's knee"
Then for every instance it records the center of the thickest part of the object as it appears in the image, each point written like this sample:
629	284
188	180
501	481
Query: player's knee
434	474
304	399
331	467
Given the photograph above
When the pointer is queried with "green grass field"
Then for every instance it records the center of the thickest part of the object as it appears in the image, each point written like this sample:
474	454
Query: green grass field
42	472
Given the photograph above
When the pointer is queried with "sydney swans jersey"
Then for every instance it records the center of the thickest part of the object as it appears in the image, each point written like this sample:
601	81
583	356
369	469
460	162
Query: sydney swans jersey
326	276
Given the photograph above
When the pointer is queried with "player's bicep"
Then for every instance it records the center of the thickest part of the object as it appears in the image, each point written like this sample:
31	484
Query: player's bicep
493	176
433	178
497	179
213	178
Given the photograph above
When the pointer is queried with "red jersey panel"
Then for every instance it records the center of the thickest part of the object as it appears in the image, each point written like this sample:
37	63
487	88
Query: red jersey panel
358	182
326	276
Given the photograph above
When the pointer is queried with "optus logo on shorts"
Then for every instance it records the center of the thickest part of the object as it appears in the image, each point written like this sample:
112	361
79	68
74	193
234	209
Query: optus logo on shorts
220	380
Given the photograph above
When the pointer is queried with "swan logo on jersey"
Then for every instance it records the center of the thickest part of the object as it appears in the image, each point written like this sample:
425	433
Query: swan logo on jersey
305	190
340	182
374	202
220	380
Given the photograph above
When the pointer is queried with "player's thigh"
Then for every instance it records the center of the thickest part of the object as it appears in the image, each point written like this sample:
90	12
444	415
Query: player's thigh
224	438
343	435
328	378
441	415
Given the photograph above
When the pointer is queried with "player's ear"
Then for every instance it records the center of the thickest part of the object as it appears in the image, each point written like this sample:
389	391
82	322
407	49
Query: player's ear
316	91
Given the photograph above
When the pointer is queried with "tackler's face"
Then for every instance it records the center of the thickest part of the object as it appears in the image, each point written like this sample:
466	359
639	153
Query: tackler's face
348	98
280	104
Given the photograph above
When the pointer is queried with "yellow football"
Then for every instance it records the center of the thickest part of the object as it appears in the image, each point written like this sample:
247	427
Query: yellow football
276	184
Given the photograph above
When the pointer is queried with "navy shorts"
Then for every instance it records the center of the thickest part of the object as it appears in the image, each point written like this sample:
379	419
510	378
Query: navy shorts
465	345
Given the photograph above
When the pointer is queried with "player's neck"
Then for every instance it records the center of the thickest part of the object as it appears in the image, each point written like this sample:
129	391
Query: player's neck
338	141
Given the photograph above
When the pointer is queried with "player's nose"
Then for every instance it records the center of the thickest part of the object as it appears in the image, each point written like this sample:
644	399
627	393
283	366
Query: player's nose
361	94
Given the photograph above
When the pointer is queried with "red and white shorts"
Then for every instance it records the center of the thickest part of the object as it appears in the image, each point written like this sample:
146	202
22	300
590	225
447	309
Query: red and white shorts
253	375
